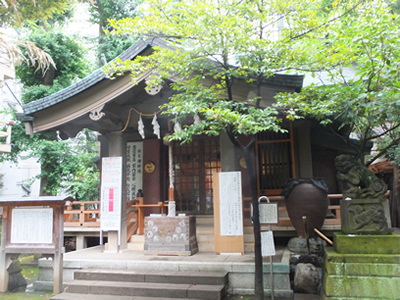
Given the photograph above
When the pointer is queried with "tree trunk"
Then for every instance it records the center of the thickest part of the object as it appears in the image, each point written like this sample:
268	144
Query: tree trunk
102	22
48	78
249	158
43	181
258	261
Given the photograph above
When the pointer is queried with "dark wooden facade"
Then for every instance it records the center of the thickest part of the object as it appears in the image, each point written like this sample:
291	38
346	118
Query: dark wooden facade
113	108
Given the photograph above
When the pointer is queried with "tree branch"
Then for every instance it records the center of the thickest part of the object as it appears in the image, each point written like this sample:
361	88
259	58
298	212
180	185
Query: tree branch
327	22
382	152
383	133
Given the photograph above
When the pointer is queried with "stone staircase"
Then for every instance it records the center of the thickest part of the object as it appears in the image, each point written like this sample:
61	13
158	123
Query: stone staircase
125	284
160	277
205	236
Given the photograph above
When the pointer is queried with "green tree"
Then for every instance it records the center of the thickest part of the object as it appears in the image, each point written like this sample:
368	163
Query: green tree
227	41
61	161
110	46
360	56
67	54
13	13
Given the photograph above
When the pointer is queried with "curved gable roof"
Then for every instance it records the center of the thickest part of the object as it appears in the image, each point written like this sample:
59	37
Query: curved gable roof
90	80
57	111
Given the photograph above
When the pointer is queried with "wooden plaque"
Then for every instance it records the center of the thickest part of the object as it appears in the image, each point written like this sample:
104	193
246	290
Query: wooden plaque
225	243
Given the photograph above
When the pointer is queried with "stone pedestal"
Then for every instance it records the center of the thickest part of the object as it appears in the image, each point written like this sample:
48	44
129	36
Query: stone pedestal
170	235
362	266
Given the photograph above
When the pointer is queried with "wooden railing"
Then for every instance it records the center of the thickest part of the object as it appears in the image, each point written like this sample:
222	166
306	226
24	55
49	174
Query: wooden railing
82	214
140	212
87	213
332	217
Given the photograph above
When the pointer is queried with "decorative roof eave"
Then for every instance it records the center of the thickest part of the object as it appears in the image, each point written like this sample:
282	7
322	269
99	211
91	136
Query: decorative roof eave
89	81
91	103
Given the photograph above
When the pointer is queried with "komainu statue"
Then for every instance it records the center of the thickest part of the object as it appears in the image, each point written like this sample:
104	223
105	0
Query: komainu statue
357	181
364	205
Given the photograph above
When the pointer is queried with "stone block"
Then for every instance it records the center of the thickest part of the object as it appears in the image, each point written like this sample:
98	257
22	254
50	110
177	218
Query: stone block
361	286
306	279
366	244
361	264
332	256
368	216
366	276
205	292
170	236
363	269
246	281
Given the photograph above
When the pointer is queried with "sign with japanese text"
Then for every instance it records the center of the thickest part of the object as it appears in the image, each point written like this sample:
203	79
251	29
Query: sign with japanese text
134	169
267	243
32	225
231	213
111	193
268	213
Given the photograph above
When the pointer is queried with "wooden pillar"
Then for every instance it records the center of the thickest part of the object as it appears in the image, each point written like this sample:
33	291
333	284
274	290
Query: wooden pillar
59	249
152	177
4	264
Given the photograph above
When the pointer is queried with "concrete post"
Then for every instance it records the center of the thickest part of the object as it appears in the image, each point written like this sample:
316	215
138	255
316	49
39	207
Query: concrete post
80	242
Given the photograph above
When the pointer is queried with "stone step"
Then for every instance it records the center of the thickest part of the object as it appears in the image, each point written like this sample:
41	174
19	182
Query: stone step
137	238
207	278
248	230
75	296
135	246
205	220
205	238
148	289
204	229
248	238
205	243
206	247
248	247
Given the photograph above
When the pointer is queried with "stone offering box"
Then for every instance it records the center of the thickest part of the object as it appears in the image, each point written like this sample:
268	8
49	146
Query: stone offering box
33	225
170	235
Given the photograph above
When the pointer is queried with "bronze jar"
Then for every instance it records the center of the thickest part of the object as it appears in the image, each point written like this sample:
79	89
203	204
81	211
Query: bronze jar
306	197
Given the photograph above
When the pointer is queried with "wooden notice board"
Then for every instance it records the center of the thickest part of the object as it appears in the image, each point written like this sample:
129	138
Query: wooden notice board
230	238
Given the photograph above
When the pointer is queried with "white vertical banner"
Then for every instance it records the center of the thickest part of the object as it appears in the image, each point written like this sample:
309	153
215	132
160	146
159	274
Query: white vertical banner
134	169
111	193
230	194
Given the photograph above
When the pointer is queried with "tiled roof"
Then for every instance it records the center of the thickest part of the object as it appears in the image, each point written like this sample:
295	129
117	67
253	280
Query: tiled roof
97	76
85	83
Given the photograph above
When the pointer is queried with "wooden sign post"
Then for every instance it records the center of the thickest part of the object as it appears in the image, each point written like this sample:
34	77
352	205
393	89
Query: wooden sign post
228	213
33	225
268	215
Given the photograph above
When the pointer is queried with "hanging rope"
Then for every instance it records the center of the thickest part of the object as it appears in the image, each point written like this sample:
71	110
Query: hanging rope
138	112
